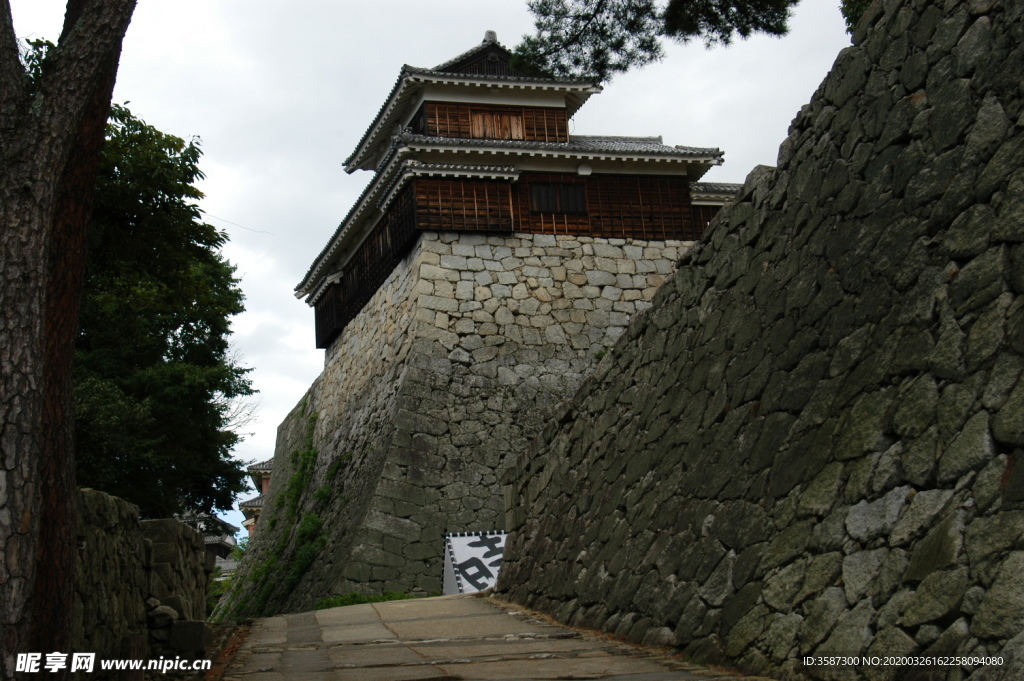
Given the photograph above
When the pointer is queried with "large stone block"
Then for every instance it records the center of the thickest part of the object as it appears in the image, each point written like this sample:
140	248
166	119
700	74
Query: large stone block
191	639
1001	614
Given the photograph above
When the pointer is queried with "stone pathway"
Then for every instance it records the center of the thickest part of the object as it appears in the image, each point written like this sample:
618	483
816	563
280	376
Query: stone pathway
448	638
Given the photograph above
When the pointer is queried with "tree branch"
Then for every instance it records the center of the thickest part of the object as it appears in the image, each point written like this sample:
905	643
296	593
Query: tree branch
576	36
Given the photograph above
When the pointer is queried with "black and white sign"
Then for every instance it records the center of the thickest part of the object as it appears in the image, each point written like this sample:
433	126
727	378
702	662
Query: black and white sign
472	561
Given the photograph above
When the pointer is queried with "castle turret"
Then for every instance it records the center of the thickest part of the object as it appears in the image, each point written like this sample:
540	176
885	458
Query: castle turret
473	145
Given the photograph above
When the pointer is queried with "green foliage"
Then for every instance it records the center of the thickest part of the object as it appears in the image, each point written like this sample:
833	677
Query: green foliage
852	11
155	384
296	549
584	38
33	58
358	599
337	465
241	547
310	541
309	529
218	586
278	574
323	494
266	579
303	463
598	38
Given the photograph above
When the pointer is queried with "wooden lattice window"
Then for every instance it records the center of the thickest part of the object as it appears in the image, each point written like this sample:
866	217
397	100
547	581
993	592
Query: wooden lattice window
329	315
557	198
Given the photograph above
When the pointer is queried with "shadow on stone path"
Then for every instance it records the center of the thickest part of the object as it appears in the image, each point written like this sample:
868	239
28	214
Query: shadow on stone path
447	638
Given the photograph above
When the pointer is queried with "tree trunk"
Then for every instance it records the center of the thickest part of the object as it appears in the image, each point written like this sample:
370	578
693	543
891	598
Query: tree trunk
49	146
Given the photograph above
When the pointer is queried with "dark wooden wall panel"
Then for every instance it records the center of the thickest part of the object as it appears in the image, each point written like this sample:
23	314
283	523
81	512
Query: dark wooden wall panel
368	268
618	206
703	215
457	204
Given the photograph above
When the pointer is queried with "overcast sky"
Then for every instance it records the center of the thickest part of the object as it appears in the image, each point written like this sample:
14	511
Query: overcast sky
281	92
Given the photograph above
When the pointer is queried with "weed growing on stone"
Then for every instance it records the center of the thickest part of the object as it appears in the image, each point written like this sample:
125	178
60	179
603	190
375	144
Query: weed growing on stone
332	470
323	494
303	463
278	574
311	540
357	599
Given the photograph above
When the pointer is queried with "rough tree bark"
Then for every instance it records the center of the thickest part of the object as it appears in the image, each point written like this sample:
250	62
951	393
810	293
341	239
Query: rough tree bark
49	144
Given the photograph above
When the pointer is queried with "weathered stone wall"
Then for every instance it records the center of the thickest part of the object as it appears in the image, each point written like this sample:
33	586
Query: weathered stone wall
328	459
111	583
425	398
505	328
812	443
177	568
140	588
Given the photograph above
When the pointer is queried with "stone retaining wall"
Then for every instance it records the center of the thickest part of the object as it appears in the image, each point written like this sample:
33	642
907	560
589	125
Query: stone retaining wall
178	569
111	583
140	588
336	439
812	443
425	399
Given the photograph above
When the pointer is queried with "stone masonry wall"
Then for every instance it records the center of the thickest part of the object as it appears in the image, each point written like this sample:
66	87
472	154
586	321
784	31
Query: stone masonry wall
336	439
505	328
425	398
178	569
140	588
111	583
812	443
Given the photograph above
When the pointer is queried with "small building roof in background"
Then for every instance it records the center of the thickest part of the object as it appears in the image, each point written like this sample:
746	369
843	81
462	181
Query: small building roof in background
714	192
255	502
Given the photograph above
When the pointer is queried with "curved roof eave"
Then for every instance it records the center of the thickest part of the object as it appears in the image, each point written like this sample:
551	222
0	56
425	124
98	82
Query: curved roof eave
590	147
410	81
383	183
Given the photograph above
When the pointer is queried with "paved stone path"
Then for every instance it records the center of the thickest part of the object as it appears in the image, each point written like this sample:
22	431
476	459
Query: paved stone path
448	638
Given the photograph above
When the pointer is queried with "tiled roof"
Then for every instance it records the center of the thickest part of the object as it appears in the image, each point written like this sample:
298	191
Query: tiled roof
582	144
490	39
716	187
218	539
255	502
227	566
408	70
356	205
261	466
457	167
368	189
651	145
451	71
